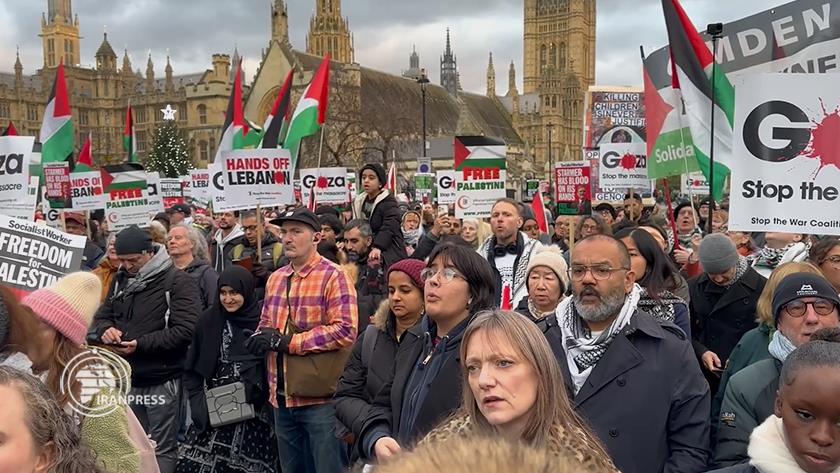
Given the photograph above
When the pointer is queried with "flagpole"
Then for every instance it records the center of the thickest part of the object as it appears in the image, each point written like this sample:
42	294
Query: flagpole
715	30
259	234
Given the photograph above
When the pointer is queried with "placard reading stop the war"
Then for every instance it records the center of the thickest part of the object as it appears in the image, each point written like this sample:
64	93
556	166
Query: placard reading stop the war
258	176
330	184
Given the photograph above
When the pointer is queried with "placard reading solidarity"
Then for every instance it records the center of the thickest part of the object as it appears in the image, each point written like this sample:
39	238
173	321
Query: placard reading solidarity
258	176
34	256
623	166
786	167
445	183
330	185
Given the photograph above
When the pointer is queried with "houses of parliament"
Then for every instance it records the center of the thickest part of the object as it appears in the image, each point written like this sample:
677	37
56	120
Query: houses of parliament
373	115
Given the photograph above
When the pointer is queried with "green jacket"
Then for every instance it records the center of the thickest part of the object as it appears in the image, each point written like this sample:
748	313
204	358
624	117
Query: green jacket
748	401
750	349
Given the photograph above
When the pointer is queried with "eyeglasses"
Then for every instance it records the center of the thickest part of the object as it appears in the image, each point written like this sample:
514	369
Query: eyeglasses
798	308
600	273
250	228
834	260
446	274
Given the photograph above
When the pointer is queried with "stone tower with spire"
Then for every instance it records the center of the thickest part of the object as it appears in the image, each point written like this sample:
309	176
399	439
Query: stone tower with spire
414	71
150	75
60	34
106	58
512	92
449	68
491	78
329	33
279	22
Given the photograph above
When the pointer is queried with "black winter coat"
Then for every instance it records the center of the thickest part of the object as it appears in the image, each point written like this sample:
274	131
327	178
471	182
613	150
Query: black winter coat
442	394
208	281
360	382
161	346
385	221
742	468
719	316
645	399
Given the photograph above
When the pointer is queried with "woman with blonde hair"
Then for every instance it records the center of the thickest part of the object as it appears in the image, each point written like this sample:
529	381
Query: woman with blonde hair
514	390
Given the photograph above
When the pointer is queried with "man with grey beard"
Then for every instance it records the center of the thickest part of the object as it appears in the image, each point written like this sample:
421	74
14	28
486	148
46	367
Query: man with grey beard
633	377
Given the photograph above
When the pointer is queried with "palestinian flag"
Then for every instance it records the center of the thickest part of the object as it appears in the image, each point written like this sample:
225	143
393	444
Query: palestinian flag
539	212
311	110
693	65
85	162
130	136
479	152
235	128
391	185
277	123
668	137
123	177
57	128
10	130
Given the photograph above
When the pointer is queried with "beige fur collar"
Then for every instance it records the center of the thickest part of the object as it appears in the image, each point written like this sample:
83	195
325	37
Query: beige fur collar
768	450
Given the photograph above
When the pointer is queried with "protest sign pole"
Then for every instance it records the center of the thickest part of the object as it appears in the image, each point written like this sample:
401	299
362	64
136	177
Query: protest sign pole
259	233
87	224
632	215
716	32
671	220
63	221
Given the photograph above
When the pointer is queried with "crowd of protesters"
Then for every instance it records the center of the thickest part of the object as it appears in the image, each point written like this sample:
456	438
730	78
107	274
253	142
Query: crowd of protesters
394	336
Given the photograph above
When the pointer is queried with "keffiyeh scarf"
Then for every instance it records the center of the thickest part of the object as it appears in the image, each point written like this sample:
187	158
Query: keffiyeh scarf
661	308
583	349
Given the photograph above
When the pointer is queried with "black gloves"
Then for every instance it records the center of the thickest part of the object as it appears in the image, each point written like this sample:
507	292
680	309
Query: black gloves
265	340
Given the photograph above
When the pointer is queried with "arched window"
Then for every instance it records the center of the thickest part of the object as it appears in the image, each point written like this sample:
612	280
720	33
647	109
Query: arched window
543	54
563	52
203	151
202	114
552	55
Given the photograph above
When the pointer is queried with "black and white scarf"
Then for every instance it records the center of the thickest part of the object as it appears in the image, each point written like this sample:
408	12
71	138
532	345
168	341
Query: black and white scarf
661	308
583	350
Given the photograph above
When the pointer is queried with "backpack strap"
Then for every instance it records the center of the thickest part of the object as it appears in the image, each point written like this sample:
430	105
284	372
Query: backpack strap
368	344
170	283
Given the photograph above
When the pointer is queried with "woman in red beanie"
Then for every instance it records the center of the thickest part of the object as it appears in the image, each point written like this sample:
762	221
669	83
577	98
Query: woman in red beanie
372	359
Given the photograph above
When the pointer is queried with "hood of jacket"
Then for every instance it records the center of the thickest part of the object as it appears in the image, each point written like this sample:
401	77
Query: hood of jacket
195	265
359	203
382	315
223	240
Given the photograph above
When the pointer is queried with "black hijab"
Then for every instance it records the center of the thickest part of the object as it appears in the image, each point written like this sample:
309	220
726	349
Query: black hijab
208	337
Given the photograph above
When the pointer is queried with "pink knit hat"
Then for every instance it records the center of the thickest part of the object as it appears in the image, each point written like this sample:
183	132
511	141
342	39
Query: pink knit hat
68	305
411	267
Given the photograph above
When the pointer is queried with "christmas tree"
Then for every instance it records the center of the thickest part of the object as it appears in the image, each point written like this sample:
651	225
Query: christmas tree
169	155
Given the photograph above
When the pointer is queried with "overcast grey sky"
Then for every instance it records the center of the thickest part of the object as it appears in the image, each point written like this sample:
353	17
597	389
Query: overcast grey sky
384	30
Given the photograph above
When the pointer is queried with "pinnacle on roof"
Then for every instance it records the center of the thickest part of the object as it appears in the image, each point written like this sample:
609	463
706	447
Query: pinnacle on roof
105	48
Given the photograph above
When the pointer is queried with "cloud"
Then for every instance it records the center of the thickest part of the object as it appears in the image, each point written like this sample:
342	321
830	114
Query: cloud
384	32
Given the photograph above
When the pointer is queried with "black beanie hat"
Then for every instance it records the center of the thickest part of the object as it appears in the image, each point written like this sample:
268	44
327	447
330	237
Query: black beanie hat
797	285
679	207
133	240
378	169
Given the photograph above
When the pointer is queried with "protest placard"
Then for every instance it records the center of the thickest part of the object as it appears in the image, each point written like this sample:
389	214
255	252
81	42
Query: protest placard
15	158
786	174
694	183
153	193
477	190
200	186
171	192
258	176
22	208
424	187
127	190
57	183
33	256
623	166
445	185
330	185
613	115
86	191
571	182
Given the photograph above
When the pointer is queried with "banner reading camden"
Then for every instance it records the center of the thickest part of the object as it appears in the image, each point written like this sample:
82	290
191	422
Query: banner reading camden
787	174
33	256
258	176
480	164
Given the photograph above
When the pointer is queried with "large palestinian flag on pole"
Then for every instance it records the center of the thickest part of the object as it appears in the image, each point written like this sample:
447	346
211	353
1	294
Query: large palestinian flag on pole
130	136
479	152
311	111
84	162
56	134
277	123
693	62
235	127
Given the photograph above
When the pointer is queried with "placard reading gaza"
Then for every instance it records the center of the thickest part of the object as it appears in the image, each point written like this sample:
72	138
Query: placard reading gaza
34	256
786	170
258	176
623	166
330	185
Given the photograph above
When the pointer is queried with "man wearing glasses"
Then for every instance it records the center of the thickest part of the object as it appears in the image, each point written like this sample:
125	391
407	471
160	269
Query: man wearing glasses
802	304
633	377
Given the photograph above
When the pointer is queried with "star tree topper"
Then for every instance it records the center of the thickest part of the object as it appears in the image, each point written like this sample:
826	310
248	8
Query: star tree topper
169	112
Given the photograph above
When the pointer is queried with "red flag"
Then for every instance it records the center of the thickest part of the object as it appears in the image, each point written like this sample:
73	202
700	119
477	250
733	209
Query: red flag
506	298
85	158
539	212
391	185
10	130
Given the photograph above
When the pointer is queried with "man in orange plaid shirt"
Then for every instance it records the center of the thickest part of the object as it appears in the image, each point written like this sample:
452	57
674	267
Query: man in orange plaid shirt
322	302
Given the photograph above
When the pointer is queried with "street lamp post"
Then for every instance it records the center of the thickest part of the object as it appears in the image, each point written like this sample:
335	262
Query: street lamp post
550	128
423	80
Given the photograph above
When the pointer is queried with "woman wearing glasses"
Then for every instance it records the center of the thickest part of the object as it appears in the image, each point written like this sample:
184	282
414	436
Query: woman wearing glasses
425	385
826	255
802	304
